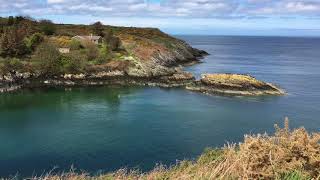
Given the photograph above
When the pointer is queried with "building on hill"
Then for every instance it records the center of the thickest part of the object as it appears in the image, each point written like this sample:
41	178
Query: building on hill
94	39
64	50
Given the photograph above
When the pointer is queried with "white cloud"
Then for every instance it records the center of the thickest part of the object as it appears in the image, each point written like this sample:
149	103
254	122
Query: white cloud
302	6
55	1
165	8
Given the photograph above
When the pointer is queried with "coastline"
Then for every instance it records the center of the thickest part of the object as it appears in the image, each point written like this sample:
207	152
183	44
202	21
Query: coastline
179	79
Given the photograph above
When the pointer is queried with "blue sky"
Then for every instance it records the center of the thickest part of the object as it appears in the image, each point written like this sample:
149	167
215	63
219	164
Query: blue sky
217	17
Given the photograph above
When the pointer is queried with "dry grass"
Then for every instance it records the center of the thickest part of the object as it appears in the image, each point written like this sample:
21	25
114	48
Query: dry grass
285	155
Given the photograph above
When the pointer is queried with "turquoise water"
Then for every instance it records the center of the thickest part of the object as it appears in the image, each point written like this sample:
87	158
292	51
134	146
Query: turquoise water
107	128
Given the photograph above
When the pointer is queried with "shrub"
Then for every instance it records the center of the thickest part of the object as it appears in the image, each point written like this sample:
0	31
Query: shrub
47	59
33	41
75	44
108	34
114	43
10	65
12	42
47	27
92	50
73	62
10	21
97	28
62	41
111	41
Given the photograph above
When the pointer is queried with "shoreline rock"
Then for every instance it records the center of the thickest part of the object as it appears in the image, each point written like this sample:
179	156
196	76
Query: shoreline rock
234	84
218	84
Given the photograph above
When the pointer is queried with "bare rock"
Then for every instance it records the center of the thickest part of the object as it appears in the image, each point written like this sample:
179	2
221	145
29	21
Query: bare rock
234	84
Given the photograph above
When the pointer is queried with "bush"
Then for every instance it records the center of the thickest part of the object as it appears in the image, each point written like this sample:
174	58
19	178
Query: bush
47	27
73	62
97	28
33	41
75	45
10	65
61	41
47	59
114	43
111	41
92	51
12	42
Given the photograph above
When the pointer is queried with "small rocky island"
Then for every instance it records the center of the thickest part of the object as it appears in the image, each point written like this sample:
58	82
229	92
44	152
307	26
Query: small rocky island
44	54
234	84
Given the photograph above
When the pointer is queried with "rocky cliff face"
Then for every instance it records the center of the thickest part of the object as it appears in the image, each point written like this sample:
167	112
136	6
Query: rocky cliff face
154	53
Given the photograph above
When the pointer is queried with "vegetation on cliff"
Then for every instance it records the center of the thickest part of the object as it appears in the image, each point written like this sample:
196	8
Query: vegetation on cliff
147	51
286	155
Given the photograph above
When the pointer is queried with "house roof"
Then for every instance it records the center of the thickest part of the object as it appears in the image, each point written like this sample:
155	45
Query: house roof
88	37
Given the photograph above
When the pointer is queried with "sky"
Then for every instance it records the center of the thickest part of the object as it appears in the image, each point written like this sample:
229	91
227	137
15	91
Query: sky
201	17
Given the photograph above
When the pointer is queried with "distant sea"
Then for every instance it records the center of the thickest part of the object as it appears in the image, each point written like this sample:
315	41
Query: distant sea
107	128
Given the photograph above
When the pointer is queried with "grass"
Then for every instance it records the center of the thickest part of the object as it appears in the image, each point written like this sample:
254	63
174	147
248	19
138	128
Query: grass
288	155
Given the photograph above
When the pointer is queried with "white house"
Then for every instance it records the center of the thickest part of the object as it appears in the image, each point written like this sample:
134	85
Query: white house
94	39
64	50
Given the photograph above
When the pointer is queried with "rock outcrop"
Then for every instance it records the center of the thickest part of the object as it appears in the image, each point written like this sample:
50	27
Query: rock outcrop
234	84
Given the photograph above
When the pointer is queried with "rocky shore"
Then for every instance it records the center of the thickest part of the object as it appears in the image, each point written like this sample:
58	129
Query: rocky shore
225	84
153	59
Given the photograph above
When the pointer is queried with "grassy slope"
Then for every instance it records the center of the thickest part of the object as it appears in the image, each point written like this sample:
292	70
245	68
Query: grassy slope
285	155
142	43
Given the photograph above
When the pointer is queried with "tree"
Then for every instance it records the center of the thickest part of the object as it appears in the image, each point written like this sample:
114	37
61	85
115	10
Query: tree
97	28
111	41
47	27
47	59
114	43
12	42
108	34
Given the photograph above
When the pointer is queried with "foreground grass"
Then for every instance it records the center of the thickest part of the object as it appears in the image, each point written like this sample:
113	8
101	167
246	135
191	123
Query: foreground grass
290	155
